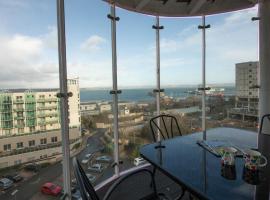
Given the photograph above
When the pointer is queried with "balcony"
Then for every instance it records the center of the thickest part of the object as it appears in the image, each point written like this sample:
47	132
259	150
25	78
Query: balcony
18	109
42	123
56	121
17	101
203	176
30	101
40	100
51	100
6	119
46	107
19	125
19	117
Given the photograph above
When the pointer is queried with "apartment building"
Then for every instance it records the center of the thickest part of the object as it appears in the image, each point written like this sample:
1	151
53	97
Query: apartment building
30	123
247	93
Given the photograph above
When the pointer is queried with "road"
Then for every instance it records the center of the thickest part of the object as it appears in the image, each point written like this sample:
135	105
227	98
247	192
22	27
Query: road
32	186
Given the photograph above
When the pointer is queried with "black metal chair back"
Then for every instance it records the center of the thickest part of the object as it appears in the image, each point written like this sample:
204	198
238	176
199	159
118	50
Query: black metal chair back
168	128
137	185
86	189
267	116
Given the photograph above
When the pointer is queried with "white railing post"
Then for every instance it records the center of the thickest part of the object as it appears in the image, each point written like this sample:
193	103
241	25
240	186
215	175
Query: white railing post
203	88
63	95
157	91
115	90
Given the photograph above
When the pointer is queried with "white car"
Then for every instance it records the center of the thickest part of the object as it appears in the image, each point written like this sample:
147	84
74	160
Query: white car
96	168
85	161
88	155
138	161
87	158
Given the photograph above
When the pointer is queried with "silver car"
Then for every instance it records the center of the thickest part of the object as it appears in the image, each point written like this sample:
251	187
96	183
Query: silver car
104	159
96	168
5	183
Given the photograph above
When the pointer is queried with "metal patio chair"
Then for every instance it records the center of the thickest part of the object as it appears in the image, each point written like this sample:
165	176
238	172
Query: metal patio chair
168	128
137	185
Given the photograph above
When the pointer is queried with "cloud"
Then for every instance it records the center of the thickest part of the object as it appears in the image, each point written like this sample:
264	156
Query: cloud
24	62
93	43
14	3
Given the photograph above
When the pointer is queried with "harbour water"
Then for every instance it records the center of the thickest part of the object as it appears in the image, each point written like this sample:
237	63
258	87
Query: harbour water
140	95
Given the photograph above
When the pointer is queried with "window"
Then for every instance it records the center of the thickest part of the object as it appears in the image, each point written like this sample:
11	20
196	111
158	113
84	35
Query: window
19	145
7	147
54	139
43	141
31	143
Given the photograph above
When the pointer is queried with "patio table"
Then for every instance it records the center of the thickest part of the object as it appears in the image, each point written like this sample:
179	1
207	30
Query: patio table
198	170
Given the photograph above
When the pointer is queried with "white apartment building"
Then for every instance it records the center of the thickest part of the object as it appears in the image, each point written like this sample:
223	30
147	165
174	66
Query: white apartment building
30	119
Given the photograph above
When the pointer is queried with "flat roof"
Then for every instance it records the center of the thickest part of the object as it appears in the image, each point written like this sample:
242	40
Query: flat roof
183	8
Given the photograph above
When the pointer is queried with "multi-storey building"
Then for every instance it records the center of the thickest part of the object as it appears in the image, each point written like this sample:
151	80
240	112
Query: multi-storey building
247	93
30	120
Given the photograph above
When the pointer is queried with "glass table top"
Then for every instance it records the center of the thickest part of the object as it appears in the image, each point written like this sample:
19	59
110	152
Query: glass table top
200	171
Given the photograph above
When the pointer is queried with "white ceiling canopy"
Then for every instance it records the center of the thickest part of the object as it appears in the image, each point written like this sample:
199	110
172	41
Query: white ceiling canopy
183	8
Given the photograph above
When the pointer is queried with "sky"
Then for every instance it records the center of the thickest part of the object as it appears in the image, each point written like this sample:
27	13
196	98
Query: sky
29	54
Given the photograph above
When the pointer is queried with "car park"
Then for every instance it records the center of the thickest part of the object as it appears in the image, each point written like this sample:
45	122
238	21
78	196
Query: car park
107	159
91	177
139	161
51	189
96	168
14	177
5	183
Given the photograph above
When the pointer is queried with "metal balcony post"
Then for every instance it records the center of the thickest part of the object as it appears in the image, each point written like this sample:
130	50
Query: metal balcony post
115	90
157	27
203	88
63	95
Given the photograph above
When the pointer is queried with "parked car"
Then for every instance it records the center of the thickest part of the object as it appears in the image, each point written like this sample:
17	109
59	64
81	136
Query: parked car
51	189
104	159
96	168
87	158
14	177
88	155
76	195
91	178
85	161
138	161
5	183
31	167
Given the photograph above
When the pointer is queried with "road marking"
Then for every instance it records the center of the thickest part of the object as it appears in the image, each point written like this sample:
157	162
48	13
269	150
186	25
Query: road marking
35	182
14	192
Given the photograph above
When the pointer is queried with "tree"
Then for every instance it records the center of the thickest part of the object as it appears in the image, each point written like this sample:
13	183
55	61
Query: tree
87	122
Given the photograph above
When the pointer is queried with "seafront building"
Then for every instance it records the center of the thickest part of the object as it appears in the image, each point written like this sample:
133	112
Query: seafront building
30	124
247	93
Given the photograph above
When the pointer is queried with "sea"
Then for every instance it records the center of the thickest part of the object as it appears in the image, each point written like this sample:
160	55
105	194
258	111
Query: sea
141	95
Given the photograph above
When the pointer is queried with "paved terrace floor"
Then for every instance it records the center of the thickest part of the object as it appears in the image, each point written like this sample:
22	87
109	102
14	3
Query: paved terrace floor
164	185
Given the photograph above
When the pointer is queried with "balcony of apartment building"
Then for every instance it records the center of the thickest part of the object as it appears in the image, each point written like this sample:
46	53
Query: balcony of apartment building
179	168
202	181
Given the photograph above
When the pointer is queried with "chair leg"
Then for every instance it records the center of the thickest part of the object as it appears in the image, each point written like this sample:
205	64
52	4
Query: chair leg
182	194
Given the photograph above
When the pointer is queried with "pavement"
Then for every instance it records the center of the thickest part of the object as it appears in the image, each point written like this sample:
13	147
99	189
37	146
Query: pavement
30	189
